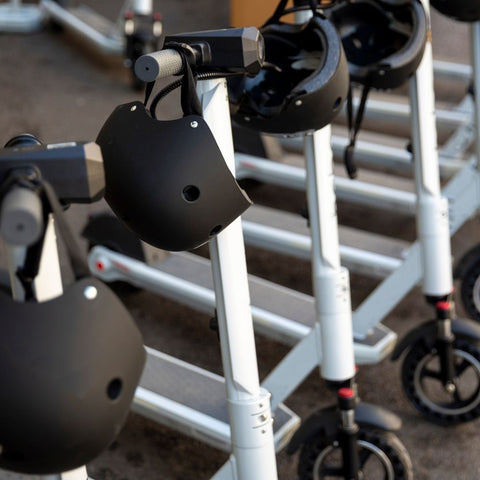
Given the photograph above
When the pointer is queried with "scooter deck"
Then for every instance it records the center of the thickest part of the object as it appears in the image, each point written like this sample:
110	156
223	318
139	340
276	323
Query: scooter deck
193	401
280	313
362	252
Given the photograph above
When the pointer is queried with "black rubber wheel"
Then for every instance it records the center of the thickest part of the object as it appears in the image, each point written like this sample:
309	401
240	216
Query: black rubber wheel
382	457
470	288
424	388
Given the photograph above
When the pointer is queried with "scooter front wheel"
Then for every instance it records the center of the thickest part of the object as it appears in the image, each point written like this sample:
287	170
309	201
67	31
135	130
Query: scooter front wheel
470	288
451	404
381	454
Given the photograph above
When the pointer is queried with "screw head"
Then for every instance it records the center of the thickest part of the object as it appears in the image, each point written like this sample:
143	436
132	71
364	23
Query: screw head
194	124
298	103
450	387
90	292
133	108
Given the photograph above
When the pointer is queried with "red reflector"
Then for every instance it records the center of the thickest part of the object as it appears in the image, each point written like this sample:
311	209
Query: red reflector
345	392
443	305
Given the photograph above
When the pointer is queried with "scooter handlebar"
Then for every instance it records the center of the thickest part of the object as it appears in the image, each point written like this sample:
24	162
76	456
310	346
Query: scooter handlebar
161	64
225	51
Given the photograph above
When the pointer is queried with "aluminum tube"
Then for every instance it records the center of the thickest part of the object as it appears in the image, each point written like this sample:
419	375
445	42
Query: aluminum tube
110	45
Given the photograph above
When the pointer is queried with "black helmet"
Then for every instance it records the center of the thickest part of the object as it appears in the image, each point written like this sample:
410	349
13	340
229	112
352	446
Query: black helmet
167	180
70	367
462	10
383	40
303	82
69	370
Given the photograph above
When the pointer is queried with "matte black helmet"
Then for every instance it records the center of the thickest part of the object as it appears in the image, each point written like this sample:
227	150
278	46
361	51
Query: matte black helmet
69	369
167	180
383	40
303	82
462	10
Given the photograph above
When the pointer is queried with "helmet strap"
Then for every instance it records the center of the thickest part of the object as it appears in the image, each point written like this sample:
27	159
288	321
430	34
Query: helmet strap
78	259
27	273
188	97
354	123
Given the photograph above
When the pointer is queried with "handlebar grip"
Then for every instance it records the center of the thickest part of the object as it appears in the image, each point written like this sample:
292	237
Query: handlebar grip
161	64
21	217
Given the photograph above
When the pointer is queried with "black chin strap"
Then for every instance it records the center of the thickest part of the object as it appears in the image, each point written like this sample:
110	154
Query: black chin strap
354	123
29	271
189	99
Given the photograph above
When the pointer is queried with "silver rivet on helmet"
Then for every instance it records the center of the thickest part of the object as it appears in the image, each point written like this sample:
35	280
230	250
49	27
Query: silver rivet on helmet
194	124
133	108
90	292
298	103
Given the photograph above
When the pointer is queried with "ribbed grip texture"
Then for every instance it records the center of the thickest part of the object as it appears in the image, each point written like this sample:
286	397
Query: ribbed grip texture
152	66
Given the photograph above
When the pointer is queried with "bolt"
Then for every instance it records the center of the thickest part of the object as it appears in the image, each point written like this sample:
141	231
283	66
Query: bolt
450	387
194	124
263	418
90	292
133	108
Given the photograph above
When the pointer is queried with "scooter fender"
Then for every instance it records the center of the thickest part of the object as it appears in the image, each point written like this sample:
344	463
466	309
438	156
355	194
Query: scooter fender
461	328
325	422
426	331
466	262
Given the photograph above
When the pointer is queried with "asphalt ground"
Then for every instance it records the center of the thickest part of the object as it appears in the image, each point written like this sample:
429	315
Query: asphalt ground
59	88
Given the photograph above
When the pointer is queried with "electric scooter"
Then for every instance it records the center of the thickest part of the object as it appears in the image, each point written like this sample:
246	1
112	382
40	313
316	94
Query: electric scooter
137	30
443	351
23	220
337	426
249	434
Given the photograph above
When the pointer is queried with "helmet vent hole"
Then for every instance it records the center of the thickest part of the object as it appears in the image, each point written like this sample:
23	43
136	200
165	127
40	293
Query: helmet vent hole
337	103
114	389
191	193
215	230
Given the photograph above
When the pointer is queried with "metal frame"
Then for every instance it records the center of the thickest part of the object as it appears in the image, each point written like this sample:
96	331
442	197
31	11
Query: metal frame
433	242
112	39
462	192
253	451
